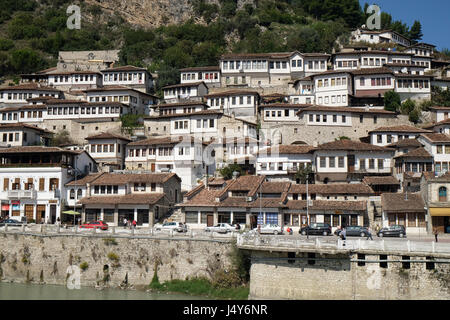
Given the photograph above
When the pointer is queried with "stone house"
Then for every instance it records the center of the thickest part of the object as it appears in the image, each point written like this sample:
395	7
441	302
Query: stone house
108	149
384	136
434	190
18	135
210	75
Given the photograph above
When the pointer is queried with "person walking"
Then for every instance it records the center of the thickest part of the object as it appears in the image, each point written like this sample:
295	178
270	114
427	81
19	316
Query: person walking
343	234
436	232
125	222
369	234
134	224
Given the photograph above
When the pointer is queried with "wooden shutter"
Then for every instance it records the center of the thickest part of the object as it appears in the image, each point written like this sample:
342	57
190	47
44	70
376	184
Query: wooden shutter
5	184
41	184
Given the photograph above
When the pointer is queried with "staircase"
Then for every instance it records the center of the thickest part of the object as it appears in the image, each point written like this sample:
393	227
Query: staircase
173	214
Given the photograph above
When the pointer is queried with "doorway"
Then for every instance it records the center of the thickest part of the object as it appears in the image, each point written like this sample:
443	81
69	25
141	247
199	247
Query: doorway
209	220
53	213
351	163
29	211
40	213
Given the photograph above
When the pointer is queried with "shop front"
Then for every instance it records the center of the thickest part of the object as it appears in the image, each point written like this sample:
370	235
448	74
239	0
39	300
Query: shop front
440	219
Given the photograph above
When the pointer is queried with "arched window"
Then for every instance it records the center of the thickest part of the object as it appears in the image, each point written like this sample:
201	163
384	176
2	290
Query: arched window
442	194
79	194
72	194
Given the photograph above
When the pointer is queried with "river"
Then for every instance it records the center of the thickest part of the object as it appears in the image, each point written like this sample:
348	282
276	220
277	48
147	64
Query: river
20	291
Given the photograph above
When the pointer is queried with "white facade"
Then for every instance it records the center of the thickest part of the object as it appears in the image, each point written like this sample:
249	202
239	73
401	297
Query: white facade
332	89
243	105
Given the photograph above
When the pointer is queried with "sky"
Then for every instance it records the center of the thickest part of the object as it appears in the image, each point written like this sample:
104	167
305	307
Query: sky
432	14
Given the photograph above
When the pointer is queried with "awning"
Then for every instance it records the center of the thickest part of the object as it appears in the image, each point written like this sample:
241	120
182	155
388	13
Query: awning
440	212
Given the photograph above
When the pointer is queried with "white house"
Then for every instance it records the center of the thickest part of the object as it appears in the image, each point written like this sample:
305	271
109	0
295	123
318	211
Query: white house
185	91
344	160
438	145
113	197
33	180
75	80
384	136
209	75
108	149
332	88
413	86
379	36
18	135
129	76
189	158
138	102
302	91
281	162
20	93
241	103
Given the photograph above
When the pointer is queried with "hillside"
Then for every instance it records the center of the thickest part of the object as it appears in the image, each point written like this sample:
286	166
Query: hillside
165	35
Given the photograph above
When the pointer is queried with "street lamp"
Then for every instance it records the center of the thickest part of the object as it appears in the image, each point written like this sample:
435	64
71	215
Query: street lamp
307	208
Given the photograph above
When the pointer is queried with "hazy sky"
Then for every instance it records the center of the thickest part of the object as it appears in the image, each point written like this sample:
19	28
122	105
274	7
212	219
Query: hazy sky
432	14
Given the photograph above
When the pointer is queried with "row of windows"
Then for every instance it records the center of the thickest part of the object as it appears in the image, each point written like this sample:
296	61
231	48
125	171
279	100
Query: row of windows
443	149
234	100
118	99
363	164
13	116
11	137
373	61
420	84
123	76
106	189
76	77
83	110
279	113
332	162
162	151
99	148
334	99
246	65
376	82
441	166
347	64
23	96
325	118
238	150
332	82
53	184
280	165
208	76
177	91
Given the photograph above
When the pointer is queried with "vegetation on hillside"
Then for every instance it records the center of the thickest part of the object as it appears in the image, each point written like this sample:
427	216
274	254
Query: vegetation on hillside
32	32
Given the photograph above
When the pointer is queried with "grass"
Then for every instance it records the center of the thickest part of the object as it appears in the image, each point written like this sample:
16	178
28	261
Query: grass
201	287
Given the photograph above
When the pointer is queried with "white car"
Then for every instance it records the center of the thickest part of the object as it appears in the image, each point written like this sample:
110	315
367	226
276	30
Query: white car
270	229
176	226
221	228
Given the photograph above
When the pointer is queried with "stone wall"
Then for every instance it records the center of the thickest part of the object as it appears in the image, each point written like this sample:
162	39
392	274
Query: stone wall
45	259
341	279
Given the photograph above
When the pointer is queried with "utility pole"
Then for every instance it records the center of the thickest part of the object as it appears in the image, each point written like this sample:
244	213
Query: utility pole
307	208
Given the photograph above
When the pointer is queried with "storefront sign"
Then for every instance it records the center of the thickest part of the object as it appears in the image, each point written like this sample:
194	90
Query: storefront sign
15	205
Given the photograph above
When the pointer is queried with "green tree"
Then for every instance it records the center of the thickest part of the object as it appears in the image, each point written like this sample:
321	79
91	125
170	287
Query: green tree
26	60
415	34
392	101
227	172
414	115
304	173
407	107
60	138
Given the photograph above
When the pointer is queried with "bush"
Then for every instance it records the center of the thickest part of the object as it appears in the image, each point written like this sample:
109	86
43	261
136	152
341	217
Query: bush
84	265
112	256
110	241
392	101
407	107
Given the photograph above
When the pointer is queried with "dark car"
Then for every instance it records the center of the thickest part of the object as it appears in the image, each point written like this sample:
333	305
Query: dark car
316	229
354	231
392	231
95	224
11	222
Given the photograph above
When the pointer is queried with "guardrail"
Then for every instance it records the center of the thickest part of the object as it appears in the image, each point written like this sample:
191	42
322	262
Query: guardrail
112	231
259	241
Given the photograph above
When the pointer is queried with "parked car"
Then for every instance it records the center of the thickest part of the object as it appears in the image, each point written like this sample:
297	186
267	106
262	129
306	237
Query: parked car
316	229
354	231
11	222
270	229
221	228
95	224
392	231
176	226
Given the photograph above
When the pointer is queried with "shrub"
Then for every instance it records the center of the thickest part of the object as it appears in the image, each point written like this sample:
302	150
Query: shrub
84	265
112	256
110	241
392	101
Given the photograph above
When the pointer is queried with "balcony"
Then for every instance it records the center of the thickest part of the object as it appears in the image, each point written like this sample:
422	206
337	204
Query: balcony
22	194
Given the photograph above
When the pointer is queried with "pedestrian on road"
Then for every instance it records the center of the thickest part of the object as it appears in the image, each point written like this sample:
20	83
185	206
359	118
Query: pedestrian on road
369	234
343	233
125	222
436	232
134	224
259	229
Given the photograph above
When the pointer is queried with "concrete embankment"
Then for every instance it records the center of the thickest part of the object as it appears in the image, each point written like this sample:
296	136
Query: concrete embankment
107	260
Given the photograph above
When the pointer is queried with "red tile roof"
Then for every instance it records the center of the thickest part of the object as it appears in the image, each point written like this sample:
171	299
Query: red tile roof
328	189
107	135
132	199
401	202
350	145
402	128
